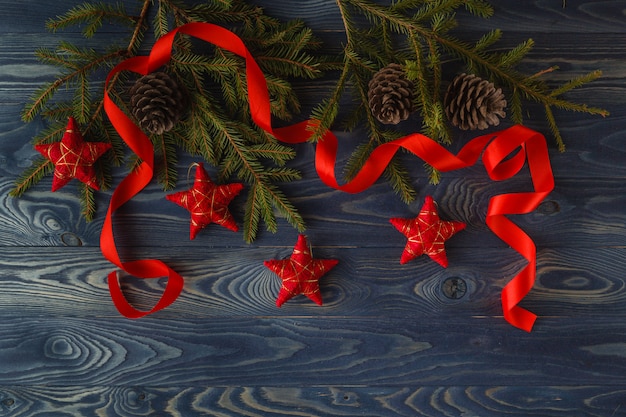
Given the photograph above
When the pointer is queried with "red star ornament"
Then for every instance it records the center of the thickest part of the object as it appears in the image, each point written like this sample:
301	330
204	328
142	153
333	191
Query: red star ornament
73	157
207	202
427	234
300	273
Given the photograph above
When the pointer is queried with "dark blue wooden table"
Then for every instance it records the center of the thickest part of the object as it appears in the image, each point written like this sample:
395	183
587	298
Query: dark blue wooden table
388	341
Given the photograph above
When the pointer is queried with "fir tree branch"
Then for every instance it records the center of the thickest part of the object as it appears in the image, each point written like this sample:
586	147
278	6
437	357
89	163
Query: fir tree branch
88	202
422	29
41	97
32	175
92	15
225	140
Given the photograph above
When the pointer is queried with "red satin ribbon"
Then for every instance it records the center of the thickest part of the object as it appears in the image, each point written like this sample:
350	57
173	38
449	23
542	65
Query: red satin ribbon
504	154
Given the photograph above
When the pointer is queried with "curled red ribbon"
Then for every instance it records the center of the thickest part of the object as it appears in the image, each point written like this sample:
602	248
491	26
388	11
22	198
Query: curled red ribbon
504	154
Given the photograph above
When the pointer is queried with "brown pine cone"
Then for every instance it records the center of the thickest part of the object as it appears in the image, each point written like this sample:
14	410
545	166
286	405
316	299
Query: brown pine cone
473	103
390	95
157	102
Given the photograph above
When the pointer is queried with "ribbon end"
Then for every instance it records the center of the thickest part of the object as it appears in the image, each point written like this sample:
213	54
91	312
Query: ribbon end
520	318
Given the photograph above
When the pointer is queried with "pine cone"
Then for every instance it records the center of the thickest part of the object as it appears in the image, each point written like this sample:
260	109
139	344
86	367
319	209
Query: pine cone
390	95
157	102
473	103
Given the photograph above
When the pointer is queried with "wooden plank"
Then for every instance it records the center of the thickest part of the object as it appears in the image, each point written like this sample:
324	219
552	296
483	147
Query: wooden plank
578	213
584	282
304	351
426	401
387	341
573	53
576	16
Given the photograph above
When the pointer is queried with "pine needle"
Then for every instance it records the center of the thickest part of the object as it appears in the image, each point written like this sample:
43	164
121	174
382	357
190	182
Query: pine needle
217	127
418	34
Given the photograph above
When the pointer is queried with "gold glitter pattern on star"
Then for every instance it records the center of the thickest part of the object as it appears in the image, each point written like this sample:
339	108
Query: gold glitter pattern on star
207	202
426	234
300	273
73	157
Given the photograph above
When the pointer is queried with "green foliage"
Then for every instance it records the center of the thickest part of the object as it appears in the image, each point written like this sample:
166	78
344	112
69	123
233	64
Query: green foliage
419	34
218	126
91	16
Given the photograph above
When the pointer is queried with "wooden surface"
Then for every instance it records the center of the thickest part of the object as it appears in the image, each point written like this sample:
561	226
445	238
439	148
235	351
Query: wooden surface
387	341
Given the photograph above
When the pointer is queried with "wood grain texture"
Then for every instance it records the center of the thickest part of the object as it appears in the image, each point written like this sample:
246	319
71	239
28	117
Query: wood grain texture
579	213
307	352
436	401
366	283
536	16
387	342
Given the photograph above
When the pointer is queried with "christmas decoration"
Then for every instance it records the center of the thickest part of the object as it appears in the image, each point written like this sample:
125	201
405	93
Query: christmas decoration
504	154
216	126
390	95
418	35
232	99
473	103
73	157
207	202
426	234
300	273
157	102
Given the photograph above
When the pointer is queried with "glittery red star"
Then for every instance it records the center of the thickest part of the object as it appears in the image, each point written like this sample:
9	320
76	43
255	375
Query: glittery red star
207	202
300	273
426	234
73	157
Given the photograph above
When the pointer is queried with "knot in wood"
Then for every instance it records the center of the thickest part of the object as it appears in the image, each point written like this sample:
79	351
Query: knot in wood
454	288
70	239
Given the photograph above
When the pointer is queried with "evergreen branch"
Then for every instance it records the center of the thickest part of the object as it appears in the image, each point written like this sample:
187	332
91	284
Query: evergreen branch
554	128
499	68
487	40
167	174
515	105
57	58
576	82
480	8
31	176
275	152
140	24
515	55
515	82
242	158
399	179
252	214
81	108
57	111
92	15
88	202
110	135
77	54
404	6
226	139
161	22
51	133
40	98
267	212
417	32
326	112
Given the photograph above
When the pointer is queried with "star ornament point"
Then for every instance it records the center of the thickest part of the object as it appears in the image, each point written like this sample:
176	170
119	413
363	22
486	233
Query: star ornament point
73	157
300	273
207	202
426	234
